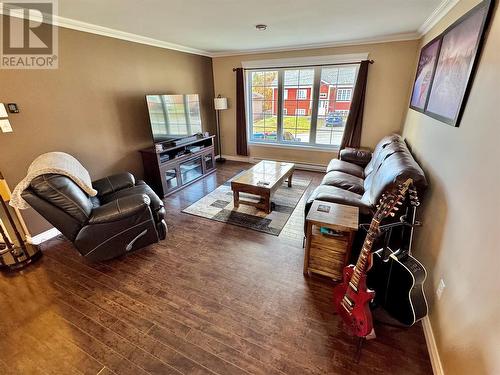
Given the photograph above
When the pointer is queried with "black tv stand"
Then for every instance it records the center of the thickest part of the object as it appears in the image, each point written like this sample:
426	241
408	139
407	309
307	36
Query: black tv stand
178	165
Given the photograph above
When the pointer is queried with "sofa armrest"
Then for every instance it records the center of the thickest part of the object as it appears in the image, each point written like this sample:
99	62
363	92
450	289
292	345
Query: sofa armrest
120	209
357	156
113	183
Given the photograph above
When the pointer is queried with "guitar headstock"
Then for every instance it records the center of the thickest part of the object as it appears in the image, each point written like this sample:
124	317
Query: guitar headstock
391	199
412	192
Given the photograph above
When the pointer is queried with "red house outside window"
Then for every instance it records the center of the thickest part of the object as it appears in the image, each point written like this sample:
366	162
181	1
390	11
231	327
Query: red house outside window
338	96
297	125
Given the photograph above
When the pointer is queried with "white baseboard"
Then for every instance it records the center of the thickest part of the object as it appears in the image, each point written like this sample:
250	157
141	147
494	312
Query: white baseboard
42	237
298	165
301	166
437	367
244	159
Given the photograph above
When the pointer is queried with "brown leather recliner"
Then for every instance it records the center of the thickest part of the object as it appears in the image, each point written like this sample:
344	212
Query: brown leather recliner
124	216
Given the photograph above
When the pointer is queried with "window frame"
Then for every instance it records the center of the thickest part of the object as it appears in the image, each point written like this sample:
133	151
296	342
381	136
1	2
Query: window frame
343	90
299	92
281	97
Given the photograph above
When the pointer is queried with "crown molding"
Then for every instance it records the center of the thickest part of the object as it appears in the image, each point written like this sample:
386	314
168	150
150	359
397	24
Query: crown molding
444	7
112	33
374	40
117	34
436	16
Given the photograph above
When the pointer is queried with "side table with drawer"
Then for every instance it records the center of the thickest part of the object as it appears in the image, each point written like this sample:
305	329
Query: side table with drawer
328	254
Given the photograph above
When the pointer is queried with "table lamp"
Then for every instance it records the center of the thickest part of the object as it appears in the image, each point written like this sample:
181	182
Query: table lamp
220	104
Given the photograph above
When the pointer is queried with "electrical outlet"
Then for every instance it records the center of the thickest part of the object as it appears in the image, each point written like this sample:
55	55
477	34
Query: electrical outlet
440	289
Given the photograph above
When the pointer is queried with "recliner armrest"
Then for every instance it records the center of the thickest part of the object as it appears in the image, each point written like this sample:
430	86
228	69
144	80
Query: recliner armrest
113	183
120	209
357	156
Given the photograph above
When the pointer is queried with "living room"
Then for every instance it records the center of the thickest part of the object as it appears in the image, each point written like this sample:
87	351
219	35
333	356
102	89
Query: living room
185	184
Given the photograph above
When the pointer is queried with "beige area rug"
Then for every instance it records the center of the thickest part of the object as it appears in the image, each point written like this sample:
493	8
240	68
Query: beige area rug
218	205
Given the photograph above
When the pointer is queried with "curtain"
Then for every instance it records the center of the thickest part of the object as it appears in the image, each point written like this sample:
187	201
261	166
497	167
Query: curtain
241	119
352	132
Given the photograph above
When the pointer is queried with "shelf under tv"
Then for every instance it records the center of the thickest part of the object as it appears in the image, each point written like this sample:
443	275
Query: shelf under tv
177	142
182	167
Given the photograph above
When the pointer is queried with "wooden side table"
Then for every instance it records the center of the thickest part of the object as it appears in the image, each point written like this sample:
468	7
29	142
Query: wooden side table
327	254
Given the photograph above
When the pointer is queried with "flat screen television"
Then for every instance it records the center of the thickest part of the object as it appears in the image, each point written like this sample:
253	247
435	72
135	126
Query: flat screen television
173	117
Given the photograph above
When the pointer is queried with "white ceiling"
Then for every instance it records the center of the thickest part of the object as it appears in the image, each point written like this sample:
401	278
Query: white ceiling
215	27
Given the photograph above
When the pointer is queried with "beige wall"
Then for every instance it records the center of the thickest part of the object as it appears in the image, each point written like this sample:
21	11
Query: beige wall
389	81
459	241
93	106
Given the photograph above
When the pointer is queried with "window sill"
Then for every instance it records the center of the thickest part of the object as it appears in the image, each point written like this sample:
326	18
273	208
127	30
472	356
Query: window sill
295	146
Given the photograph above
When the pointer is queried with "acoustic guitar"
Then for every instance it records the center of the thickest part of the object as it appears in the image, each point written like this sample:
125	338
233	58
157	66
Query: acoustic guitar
351	297
398	277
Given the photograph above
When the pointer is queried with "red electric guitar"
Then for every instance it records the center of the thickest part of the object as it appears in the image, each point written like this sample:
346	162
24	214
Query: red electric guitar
351	298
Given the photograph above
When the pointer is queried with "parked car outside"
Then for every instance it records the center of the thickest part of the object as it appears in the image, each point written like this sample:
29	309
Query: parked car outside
334	120
264	136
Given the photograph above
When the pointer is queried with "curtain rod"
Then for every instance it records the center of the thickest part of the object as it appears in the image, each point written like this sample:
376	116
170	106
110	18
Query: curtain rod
304	66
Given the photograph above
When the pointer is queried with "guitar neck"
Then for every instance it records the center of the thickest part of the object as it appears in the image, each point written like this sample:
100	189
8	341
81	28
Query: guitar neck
407	231
413	221
363	259
387	206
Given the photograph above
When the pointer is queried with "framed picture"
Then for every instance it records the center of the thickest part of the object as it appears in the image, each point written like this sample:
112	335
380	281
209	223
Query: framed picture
425	72
458	47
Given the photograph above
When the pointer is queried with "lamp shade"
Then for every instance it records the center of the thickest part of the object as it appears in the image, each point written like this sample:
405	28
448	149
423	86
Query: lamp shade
220	103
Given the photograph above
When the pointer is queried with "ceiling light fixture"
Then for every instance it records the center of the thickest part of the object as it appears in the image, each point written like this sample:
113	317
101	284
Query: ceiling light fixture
261	27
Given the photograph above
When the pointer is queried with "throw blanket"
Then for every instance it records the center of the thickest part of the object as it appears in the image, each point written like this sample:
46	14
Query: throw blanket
57	163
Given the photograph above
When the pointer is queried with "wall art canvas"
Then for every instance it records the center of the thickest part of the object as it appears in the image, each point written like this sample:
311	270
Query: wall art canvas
425	73
455	66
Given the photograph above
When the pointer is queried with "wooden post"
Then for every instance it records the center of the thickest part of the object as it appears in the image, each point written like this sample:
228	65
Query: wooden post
236	198
306	250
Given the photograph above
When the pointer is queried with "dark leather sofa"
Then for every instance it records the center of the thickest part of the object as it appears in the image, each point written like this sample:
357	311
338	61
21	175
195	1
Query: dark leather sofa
124	216
359	177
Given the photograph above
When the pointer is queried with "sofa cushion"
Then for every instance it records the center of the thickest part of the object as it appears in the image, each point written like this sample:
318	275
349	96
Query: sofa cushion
382	157
346	167
376	156
379	157
395	168
344	181
357	156
337	195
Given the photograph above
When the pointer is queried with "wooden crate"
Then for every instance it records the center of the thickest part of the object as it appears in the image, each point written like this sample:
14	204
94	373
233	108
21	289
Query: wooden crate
326	254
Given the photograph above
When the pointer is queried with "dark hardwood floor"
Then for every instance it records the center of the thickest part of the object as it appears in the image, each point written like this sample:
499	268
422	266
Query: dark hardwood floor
210	299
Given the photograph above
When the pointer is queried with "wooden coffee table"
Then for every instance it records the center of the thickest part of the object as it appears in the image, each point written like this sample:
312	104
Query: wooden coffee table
263	179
